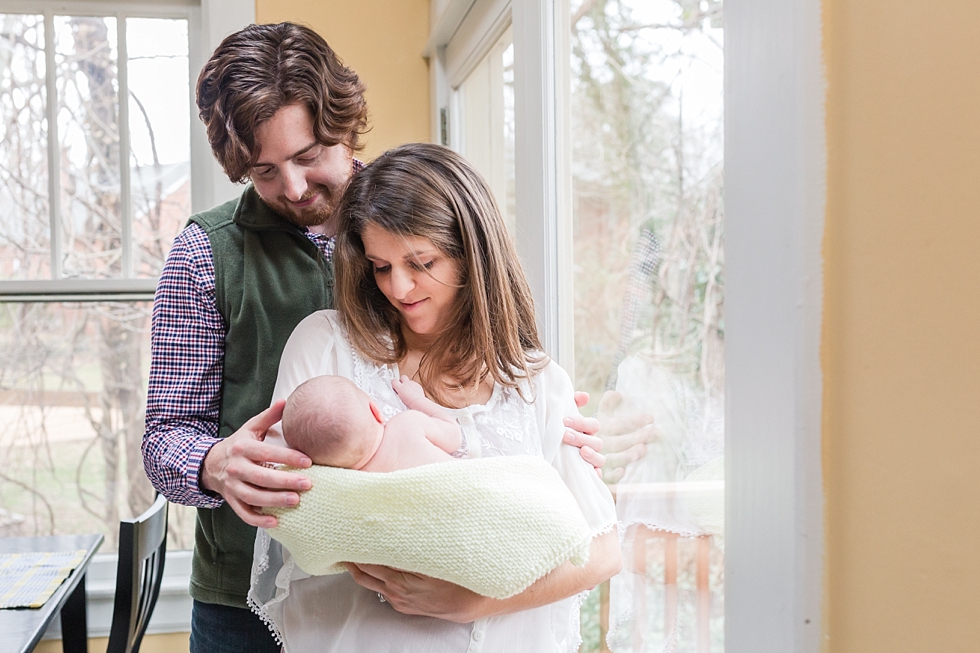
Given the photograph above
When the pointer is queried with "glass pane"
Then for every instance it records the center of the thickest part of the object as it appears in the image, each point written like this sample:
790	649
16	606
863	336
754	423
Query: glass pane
485	109
25	232
72	400
646	112
159	128
86	58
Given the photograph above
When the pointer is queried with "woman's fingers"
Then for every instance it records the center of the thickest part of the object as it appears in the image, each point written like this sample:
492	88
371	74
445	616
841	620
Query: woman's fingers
399	588
364	579
388	577
416	594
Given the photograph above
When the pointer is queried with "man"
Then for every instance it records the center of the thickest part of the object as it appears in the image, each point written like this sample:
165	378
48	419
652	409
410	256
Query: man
283	112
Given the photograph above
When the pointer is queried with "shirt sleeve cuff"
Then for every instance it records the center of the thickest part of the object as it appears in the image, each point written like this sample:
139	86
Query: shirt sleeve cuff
195	462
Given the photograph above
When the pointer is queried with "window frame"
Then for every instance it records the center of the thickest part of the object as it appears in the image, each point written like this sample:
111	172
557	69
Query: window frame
488	145
775	166
208	22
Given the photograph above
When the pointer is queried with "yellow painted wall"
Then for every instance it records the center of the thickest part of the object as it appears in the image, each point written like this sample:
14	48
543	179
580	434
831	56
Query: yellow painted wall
382	40
901	342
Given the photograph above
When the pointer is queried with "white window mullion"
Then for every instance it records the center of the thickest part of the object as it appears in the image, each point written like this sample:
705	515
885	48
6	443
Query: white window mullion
54	158
125	203
543	241
564	299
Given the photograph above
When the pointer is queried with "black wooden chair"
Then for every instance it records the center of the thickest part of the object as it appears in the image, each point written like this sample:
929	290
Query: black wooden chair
139	574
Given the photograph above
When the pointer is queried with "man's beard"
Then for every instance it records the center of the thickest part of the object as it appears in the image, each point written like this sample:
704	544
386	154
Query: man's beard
311	216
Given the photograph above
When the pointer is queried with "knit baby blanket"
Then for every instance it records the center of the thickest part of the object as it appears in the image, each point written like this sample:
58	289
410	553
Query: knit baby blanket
492	525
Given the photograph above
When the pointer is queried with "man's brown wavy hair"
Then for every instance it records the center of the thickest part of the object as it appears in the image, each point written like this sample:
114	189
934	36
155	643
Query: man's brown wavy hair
430	191
262	68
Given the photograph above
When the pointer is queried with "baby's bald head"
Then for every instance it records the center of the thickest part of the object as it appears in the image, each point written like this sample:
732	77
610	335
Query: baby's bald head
330	420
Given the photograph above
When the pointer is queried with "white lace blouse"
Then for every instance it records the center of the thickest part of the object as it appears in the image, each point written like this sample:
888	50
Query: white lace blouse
334	614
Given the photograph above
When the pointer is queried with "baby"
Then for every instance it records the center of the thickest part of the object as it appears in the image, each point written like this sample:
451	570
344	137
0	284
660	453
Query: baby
335	423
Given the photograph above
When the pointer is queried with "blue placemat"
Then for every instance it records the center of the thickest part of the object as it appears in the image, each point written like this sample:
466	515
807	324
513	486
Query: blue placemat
27	580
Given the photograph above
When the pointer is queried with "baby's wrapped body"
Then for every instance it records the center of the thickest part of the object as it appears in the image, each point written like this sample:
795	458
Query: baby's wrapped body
332	614
492	525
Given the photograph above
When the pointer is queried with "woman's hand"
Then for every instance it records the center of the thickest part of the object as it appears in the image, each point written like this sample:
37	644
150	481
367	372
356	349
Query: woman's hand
410	593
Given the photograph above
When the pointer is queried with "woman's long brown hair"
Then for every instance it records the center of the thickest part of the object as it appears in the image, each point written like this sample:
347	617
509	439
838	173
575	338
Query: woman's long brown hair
430	191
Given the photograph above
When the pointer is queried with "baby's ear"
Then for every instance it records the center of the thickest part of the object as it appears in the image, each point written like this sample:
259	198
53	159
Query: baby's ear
377	413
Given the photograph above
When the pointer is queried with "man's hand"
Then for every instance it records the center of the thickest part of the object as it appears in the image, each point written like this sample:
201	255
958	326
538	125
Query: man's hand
234	468
410	593
623	438
581	433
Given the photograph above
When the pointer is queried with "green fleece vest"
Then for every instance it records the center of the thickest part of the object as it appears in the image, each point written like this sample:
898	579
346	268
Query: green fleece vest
268	277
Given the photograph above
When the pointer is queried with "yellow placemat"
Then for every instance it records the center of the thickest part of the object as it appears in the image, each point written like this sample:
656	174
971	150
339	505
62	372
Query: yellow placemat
27	580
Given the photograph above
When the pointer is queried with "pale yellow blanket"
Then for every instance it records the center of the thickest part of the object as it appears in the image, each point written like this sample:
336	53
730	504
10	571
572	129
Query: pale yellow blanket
493	525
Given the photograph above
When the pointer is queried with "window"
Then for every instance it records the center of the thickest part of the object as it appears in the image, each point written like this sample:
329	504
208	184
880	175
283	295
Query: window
775	175
484	119
77	207
645	110
619	219
95	182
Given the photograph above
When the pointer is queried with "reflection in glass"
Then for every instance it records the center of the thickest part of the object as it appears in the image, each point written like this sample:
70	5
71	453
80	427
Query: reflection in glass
159	127
86	57
72	400
646	125
25	232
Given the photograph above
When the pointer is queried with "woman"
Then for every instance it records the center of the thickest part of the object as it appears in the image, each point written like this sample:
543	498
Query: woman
429	285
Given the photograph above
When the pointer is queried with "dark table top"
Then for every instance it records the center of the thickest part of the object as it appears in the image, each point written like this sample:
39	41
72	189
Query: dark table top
21	628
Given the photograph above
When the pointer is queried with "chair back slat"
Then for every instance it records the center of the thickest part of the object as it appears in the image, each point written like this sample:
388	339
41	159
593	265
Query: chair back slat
151	533
139	575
